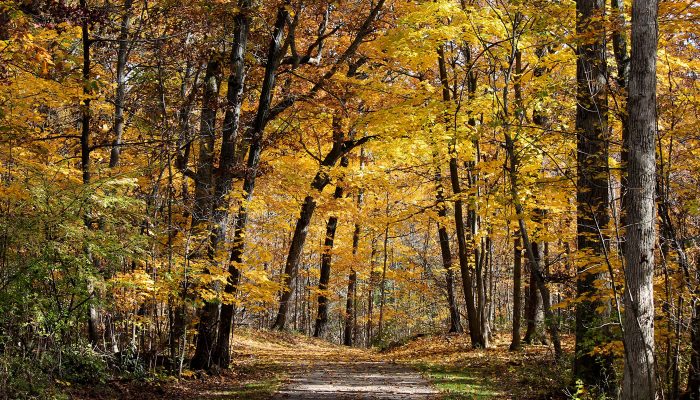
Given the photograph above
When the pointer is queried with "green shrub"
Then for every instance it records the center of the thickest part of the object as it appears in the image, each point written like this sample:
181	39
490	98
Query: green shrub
23	378
81	364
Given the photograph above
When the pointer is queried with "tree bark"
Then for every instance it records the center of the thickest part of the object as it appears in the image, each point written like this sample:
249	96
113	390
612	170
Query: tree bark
472	318
224	181
349	328
592	197
85	150
351	305
326	259
122	56
694	367
201	213
373	278
638	323
517	295
535	262
382	282
455	324
533	310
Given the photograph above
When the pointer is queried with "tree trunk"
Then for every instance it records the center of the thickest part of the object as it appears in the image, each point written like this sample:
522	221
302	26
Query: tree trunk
472	317
122	56
382	282
533	309
455	325
326	259
85	115
532	250
638	337
320	181
224	181
694	367
295	250
592	197
254	150
349	328
473	322
517	278
351	304
370	297
482	260
201	213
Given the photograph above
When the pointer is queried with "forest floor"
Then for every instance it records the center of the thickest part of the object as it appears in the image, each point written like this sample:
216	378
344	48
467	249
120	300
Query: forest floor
270	365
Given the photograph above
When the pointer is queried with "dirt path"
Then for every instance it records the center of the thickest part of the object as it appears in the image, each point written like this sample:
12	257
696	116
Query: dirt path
314	369
355	380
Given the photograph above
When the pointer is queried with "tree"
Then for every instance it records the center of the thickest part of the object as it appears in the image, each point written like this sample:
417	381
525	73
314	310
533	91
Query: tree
592	197
639	380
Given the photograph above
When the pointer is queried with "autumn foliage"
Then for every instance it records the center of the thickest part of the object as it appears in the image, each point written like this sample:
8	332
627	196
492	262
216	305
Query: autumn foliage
367	172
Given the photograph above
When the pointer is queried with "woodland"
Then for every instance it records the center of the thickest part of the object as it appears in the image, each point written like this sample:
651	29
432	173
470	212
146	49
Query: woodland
199	194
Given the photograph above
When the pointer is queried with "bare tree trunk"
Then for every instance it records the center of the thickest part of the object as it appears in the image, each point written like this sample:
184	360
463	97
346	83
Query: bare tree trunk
639	376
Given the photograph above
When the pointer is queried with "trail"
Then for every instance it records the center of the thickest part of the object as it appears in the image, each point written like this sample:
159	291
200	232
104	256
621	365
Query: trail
315	369
356	380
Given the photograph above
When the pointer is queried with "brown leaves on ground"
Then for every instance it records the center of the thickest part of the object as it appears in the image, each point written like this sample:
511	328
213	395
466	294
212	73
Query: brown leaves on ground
495	372
262	360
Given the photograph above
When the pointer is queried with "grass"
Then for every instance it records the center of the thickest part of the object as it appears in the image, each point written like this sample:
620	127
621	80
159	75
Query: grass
257	390
455	383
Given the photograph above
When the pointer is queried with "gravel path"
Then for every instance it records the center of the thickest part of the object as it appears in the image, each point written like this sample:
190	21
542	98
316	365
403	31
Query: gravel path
355	380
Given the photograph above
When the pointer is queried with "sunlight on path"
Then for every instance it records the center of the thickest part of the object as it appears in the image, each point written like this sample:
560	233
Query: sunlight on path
355	380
